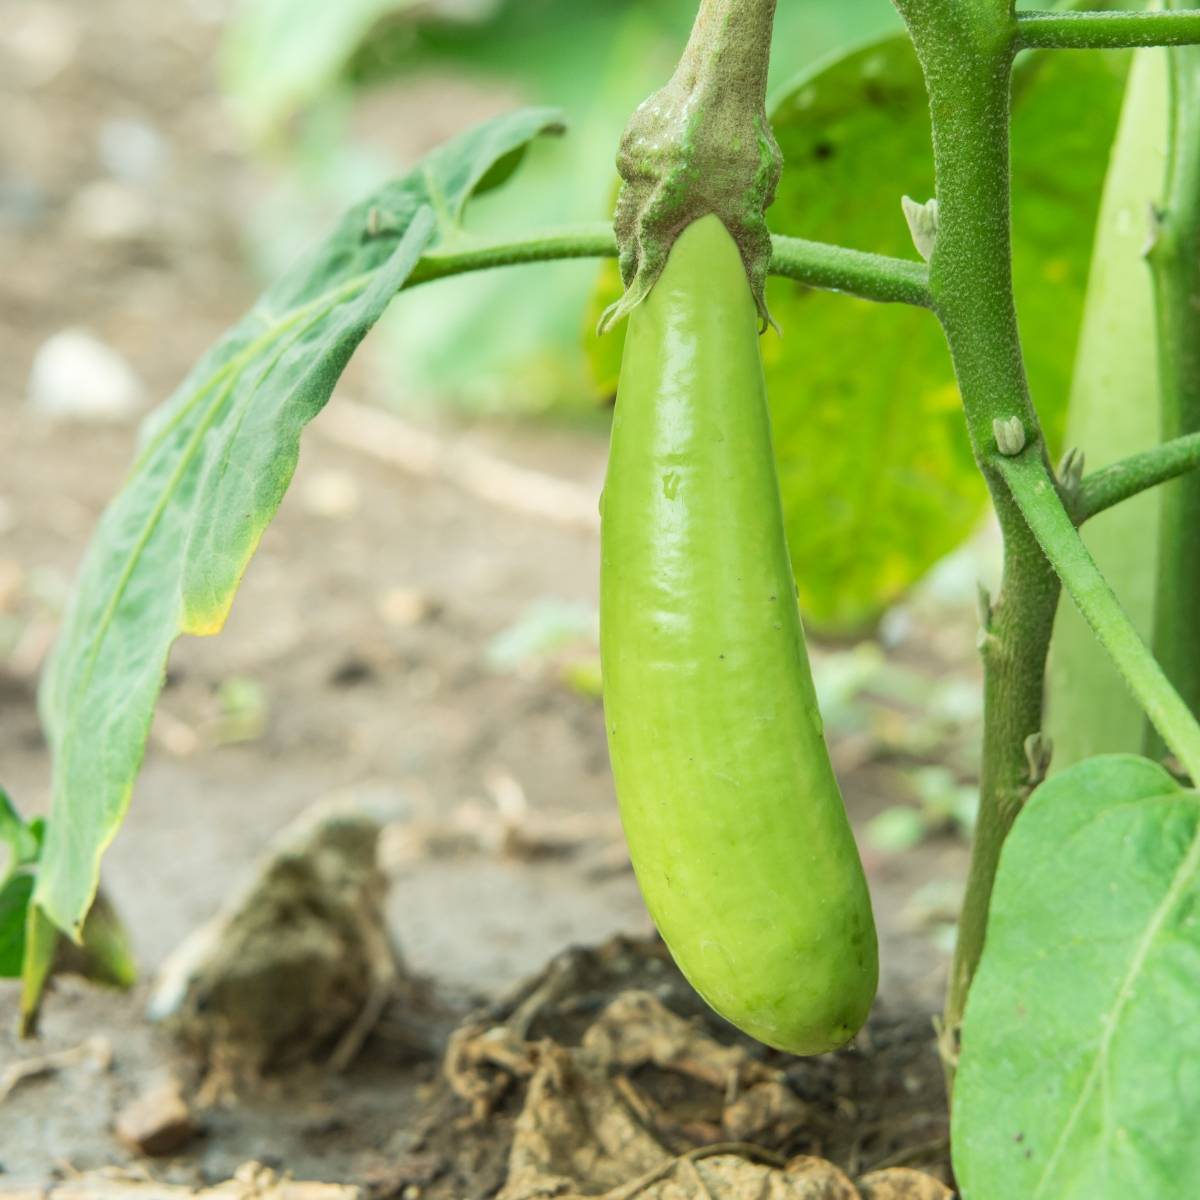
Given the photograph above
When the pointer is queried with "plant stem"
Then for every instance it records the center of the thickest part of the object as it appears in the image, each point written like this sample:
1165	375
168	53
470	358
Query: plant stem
1035	492
868	276
818	264
1106	30
1129	476
967	58
465	253
1174	259
701	144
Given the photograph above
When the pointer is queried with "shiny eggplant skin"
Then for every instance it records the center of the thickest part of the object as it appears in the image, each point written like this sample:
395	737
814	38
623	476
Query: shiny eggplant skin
734	820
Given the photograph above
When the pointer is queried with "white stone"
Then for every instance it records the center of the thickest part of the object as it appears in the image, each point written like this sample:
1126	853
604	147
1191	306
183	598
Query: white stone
108	211
74	374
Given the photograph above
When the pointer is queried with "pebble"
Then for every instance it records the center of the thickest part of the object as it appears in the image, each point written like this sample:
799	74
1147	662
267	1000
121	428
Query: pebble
132	150
74	374
107	211
23	204
332	494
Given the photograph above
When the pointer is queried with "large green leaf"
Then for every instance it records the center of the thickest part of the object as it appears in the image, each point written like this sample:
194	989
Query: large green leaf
1114	411
216	460
1080	1070
877	476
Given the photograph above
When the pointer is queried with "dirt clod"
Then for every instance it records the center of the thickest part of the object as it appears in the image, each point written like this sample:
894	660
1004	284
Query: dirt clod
299	965
605	1075
158	1122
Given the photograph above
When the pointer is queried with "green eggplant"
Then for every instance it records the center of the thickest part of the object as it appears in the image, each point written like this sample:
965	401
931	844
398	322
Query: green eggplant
735	823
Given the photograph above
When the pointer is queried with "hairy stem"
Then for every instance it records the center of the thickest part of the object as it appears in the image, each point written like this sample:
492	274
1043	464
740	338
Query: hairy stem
1174	259
1037	496
967	59
1106	30
817	264
1129	476
868	276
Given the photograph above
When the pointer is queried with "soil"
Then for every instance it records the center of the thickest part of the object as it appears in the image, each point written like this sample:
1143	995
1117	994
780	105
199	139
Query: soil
356	662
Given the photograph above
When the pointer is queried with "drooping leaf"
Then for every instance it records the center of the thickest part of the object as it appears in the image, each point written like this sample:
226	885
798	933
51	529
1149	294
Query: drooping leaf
876	472
214	465
1114	411
1079	1077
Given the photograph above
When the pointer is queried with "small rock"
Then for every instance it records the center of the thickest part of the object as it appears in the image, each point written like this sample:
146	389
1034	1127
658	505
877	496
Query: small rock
74	374
402	607
332	494
298	964
157	1122
132	150
23	204
108	211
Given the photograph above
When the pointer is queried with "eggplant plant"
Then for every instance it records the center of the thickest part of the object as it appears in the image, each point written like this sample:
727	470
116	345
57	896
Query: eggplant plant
1071	1030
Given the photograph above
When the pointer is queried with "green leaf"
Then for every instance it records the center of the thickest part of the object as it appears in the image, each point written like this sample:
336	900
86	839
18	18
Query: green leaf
877	476
21	839
22	842
215	463
1079	1077
15	895
1115	411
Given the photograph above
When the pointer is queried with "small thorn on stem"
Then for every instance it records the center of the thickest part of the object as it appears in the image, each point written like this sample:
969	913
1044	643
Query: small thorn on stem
1156	218
1070	472
922	224
1010	435
1039	749
983	606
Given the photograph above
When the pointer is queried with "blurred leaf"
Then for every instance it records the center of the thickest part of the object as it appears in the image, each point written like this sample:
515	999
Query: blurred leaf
244	710
582	676
945	801
21	843
14	911
877	476
21	839
1115	411
279	54
895	829
30	946
1079	1077
216	460
545	626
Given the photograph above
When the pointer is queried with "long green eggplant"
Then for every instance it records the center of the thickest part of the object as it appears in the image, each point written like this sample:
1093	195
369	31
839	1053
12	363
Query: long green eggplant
734	820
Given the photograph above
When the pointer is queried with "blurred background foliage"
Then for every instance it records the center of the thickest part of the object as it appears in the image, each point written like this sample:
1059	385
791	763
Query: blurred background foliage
877	477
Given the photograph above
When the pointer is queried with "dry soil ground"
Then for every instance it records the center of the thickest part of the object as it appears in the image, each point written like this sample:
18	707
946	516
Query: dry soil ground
357	657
